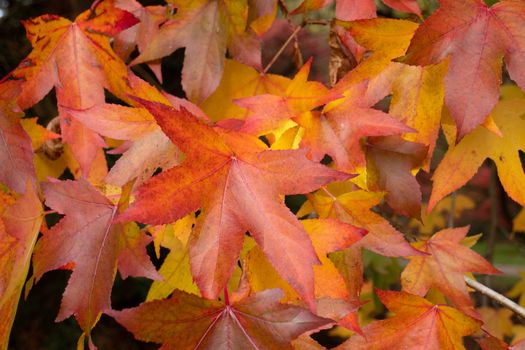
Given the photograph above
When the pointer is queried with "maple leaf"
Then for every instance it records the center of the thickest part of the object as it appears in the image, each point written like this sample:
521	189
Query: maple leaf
385	38
489	342
445	267
151	149
476	38
463	160
333	299
115	121
497	321
76	58
151	17
136	163
417	92
339	129
390	161
38	134
205	28
337	132
417	100
16	154
267	112
351	10
409	6
175	269
240	81
327	235
88	239
354	207
19	224
417	324
236	182
518	223
186	321
518	290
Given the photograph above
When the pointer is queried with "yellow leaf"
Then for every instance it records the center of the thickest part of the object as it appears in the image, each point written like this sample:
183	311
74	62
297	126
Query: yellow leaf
437	219
176	274
462	161
240	81
327	236
386	38
289	139
38	134
168	235
519	290
518	223
417	99
497	321
175	269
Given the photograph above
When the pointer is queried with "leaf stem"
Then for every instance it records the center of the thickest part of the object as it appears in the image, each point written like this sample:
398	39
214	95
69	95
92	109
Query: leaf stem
226	296
281	50
499	298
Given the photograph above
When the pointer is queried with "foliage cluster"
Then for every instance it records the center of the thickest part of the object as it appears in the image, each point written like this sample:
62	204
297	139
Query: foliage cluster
273	207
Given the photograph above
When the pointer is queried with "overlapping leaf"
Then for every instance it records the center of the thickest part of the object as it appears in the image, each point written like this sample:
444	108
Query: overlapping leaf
445	267
417	324
205	28
350	10
16	154
240	81
390	161
354	207
267	112
88	239
76	58
236	182
186	321
476	38
462	161
327	235
19	224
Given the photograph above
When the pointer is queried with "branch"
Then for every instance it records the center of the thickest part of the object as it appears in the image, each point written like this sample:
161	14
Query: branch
278	53
501	299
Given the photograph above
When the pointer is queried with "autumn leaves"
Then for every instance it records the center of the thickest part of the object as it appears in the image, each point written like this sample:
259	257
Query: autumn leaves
232	151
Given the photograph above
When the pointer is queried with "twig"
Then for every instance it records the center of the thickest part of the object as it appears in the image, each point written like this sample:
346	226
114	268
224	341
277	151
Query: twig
520	311
278	53
284	8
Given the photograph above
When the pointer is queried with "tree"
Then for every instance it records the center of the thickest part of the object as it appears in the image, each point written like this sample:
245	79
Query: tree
262	210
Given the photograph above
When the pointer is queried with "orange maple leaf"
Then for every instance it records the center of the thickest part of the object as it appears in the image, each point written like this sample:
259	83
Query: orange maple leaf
186	321
88	238
237	183
418	324
475	37
445	267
